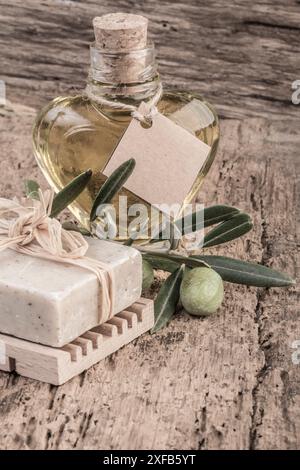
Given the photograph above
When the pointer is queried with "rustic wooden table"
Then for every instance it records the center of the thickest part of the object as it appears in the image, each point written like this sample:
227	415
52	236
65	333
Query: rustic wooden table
219	383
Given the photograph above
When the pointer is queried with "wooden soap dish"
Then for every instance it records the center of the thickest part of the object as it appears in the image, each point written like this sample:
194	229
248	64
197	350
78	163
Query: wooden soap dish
58	365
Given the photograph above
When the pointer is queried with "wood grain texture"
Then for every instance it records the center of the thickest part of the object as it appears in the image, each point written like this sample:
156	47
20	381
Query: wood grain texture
243	56
218	383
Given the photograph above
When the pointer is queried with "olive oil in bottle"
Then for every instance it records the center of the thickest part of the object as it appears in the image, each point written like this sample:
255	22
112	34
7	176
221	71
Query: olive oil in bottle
75	133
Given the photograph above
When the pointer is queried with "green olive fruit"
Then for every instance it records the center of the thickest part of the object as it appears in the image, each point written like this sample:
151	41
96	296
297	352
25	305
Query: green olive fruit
201	291
148	275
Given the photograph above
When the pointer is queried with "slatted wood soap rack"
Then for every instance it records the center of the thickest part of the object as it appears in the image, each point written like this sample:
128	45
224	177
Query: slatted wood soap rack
58	365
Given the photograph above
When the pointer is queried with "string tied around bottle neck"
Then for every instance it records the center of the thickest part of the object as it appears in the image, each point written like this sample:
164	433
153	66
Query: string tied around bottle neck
143	117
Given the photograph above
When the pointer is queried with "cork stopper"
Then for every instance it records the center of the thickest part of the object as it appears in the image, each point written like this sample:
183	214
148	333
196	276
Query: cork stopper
120	32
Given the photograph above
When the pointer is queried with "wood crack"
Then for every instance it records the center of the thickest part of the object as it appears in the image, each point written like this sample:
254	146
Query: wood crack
258	412
263	343
265	24
202	429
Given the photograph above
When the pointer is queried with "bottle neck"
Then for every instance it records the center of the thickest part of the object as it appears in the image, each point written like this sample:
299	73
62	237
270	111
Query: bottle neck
129	77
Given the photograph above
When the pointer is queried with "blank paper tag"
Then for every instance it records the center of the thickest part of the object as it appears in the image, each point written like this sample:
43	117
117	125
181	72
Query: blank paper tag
168	160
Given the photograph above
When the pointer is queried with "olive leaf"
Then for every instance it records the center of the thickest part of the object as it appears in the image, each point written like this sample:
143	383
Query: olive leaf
129	241
174	239
243	272
165	264
215	214
32	189
230	269
148	275
170	260
112	185
173	236
139	229
70	192
167	299
201	219
205	217
76	228
228	230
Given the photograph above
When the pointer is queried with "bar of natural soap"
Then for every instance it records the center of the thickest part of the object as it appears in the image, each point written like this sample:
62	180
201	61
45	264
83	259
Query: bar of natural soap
54	303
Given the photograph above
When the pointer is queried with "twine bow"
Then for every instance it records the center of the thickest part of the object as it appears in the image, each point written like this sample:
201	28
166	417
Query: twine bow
27	227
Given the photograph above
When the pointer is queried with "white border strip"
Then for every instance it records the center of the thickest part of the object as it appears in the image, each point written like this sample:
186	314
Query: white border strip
2	352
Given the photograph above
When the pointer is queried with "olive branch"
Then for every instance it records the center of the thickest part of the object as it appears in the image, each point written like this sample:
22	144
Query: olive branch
229	223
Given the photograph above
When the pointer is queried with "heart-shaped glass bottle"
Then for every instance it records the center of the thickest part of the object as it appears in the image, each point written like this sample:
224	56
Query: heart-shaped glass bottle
75	133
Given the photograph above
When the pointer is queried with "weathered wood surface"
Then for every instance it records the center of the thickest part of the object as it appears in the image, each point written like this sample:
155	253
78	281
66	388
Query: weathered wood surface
222	382
217	383
243	55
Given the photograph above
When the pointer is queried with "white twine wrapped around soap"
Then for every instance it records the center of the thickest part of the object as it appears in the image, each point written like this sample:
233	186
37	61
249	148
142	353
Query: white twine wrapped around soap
27	227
